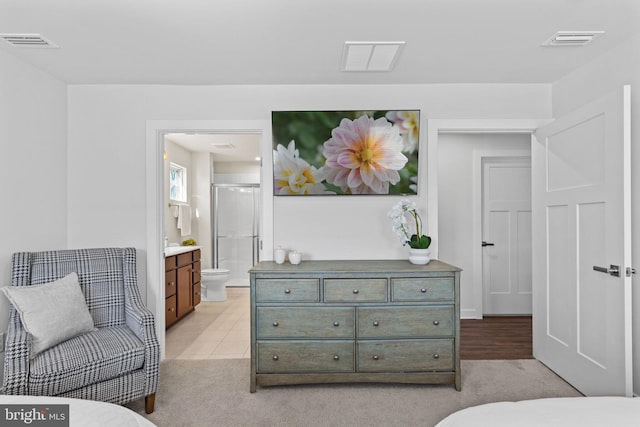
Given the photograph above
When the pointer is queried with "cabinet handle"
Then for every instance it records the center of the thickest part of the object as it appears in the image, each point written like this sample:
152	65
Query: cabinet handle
276	323
336	357
172	310
275	357
336	323
172	283
375	357
355	291
287	291
376	323
436	356
436	322
423	290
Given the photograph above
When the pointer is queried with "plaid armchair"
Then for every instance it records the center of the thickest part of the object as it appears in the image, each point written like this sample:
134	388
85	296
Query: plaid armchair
117	362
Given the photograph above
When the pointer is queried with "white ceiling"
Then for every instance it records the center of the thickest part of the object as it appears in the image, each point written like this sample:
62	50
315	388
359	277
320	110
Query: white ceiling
237	147
225	42
240	42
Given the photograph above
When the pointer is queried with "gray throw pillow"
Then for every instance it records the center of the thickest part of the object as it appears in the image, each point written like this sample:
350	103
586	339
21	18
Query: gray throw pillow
51	313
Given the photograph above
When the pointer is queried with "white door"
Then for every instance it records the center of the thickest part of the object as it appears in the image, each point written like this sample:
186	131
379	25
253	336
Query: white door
581	206
506	235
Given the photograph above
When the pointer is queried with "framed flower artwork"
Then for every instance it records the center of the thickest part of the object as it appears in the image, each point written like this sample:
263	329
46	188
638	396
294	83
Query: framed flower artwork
320	153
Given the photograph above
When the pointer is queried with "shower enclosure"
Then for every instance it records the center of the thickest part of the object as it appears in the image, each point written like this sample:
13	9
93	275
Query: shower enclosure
236	235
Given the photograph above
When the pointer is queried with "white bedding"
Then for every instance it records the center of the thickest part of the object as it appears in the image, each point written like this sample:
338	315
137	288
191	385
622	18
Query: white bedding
84	413
564	411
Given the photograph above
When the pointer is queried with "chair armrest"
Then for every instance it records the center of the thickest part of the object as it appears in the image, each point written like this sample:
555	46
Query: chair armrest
141	321
16	357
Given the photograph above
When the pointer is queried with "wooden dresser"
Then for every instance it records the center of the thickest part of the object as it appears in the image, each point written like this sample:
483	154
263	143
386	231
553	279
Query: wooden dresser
355	321
182	285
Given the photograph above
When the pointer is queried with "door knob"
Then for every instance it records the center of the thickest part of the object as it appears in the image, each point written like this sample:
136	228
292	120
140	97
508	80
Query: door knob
487	244
613	270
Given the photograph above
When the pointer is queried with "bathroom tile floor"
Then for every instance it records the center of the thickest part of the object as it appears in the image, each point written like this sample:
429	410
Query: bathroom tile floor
215	330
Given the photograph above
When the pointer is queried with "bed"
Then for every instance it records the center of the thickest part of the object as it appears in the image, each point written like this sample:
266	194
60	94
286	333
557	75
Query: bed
85	413
550	412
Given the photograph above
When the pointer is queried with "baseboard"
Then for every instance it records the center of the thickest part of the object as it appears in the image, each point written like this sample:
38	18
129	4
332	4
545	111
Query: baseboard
470	313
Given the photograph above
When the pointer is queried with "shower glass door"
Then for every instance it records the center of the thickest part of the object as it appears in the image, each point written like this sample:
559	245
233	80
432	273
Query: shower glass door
235	230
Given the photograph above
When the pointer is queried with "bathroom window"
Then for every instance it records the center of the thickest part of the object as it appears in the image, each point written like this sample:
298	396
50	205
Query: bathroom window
177	183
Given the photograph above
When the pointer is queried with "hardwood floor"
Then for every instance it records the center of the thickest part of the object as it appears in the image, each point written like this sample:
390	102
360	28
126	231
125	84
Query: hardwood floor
499	337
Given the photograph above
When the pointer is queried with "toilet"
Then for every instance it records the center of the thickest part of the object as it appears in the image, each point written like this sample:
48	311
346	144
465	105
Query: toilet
213	284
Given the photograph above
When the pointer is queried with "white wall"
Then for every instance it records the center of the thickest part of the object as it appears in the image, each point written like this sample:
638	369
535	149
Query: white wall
201	198
609	72
181	157
33	149
456	185
110	120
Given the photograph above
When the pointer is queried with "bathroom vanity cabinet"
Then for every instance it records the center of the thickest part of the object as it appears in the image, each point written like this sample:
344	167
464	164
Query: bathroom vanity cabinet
182	284
355	321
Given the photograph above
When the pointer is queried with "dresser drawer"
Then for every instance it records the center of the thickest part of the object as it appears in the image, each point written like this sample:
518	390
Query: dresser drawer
309	322
287	290
171	311
406	322
184	259
170	263
196	272
422	355
170	283
305	356
197	294
422	289
355	290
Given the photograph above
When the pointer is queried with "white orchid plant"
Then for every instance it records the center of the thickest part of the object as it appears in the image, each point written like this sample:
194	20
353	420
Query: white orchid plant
400	226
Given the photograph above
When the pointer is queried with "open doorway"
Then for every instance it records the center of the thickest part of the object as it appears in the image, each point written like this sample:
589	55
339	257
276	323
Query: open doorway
462	157
156	131
217	323
460	160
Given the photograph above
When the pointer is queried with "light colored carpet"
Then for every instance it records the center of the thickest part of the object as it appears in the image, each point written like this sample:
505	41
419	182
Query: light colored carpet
216	393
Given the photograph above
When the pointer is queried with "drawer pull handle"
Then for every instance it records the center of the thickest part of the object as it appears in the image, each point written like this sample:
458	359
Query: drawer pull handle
336	357
375	357
355	291
172	310
275	357
436	322
423	290
336	323
436	356
275	324
376	323
287	291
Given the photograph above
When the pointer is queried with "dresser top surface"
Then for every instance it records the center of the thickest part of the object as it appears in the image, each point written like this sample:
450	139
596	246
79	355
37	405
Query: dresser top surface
352	266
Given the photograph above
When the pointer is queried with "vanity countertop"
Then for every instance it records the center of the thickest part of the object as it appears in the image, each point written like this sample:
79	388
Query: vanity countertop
175	250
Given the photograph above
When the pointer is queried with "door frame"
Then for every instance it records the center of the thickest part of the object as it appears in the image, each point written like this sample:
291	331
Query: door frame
473	279
478	213
155	132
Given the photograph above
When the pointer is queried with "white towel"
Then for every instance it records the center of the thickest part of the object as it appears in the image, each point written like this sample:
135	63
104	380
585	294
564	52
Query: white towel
184	220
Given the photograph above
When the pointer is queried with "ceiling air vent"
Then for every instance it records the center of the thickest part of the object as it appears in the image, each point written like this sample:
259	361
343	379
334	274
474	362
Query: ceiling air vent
572	38
28	41
370	56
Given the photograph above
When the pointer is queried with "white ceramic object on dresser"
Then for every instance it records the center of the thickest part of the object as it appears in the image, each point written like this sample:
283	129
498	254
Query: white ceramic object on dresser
279	255
214	284
355	321
295	257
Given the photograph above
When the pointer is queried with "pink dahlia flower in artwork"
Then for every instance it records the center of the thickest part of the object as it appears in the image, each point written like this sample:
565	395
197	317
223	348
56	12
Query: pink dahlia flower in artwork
364	156
409	124
293	175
